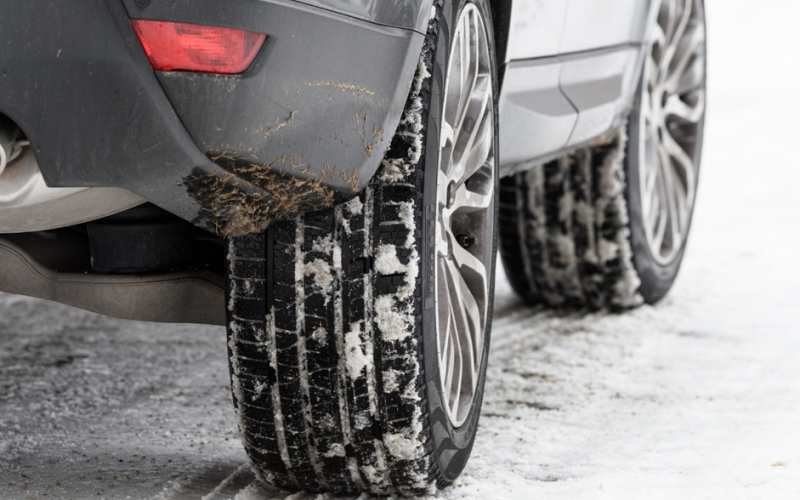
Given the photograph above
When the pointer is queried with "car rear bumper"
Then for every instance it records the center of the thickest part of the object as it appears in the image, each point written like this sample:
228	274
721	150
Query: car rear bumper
306	125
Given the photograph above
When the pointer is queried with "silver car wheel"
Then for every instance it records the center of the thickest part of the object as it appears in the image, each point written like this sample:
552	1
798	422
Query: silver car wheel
465	203
673	107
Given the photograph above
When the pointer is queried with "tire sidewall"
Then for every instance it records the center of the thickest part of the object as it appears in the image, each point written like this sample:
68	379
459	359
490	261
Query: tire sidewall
451	446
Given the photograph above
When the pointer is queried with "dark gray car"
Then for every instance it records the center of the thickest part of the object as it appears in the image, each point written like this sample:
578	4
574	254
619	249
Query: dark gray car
331	180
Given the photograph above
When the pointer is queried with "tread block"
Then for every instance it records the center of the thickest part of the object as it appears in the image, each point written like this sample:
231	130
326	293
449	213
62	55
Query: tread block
248	269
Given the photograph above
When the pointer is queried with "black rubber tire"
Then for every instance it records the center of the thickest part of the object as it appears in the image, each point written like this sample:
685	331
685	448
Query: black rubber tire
334	366
564	230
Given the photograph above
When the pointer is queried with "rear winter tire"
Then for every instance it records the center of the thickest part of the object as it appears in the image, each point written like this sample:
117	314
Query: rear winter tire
333	334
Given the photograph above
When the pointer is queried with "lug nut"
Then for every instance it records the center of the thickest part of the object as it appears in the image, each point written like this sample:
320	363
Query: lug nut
465	241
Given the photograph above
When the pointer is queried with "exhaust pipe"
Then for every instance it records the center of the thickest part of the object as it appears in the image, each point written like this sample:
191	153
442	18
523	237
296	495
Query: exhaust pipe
8	138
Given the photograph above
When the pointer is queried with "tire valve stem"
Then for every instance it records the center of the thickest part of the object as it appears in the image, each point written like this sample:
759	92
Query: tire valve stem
465	241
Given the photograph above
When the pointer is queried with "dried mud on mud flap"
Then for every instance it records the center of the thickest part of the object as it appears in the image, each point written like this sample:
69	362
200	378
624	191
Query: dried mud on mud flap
242	198
565	230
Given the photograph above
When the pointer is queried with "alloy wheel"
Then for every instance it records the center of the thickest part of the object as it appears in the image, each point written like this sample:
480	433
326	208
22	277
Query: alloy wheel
673	108
465	202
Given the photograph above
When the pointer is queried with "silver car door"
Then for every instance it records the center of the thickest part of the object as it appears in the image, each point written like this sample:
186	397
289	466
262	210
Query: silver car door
535	117
596	24
536	28
600	49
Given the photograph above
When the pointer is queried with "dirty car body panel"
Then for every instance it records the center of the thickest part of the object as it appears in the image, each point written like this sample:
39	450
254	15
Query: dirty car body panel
84	93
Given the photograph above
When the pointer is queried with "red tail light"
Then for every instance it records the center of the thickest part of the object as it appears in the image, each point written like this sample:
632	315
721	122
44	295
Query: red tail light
193	47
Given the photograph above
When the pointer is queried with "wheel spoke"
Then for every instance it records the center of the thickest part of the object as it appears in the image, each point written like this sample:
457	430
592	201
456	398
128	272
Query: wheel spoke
448	143
451	365
682	162
675	36
672	207
469	131
477	143
470	201
667	19
466	261
650	197
444	313
663	210
659	41
686	49
458	372
467	313
675	106
469	79
692	78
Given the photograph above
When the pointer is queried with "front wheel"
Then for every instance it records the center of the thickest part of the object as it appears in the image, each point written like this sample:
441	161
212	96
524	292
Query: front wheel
358	335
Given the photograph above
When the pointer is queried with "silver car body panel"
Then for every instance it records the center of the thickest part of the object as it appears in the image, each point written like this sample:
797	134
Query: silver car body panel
584	81
535	116
593	24
408	14
600	85
536	29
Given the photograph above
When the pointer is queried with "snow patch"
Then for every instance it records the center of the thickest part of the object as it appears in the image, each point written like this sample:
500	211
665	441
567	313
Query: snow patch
320	335
354	206
404	446
259	387
410	393
323	277
323	244
362	421
607	250
251	492
392	321
390	383
372	474
355	359
387	262
335	450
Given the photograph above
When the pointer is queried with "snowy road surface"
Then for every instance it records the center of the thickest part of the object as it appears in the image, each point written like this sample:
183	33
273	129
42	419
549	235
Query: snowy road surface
698	397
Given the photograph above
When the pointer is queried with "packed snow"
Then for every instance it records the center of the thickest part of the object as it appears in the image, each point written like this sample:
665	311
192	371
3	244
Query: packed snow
695	398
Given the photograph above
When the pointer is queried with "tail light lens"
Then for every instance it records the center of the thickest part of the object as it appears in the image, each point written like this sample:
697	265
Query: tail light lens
197	48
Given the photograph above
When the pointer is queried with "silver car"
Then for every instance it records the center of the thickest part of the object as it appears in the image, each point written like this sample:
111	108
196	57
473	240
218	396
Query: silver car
331	181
